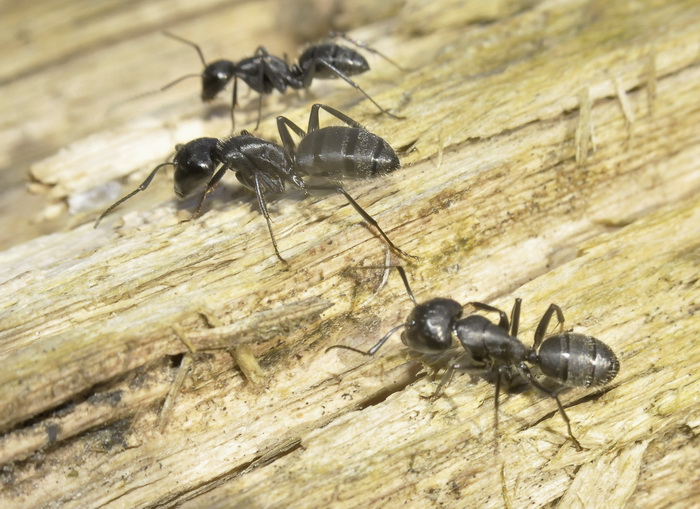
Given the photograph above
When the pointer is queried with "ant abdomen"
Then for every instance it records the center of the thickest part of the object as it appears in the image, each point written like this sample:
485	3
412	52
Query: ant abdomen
577	360
341	152
347	59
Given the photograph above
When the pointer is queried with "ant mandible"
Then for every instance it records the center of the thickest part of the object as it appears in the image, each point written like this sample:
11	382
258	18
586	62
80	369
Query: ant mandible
571	359
330	153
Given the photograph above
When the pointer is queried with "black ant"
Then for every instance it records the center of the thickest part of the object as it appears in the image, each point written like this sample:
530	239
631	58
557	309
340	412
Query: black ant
265	73
330	153
572	359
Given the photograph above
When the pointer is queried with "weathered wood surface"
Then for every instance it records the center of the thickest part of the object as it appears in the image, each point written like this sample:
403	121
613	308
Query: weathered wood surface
501	199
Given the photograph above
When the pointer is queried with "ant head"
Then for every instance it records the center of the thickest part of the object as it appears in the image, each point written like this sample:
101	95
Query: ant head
195	163
429	326
215	78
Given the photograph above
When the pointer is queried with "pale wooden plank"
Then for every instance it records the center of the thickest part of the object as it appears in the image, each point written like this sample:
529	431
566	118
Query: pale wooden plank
496	206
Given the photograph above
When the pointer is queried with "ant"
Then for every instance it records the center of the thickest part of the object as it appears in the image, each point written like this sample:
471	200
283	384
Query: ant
330	153
571	359
265	73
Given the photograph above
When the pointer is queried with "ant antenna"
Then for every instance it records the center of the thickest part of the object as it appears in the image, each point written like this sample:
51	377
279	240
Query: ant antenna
190	43
151	92
172	83
372	350
384	339
401	271
143	186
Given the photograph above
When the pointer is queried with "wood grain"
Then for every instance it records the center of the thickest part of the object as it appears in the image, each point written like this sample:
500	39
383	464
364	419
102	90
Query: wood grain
557	161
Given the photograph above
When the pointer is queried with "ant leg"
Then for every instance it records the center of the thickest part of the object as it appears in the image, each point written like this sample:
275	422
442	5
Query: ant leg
544	324
525	372
502	322
350	82
402	273
444	380
234	102
496	405
453	366
283	126
261	74
372	350
263	209
306	76
387	267
365	216
515	317
211	185
314	122
257	124
364	46
143	186
190	43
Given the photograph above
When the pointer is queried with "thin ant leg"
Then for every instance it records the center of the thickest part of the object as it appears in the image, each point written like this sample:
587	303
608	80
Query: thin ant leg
260	99
453	366
234	102
261	74
366	47
267	75
402	273
263	208
364	215
500	371
444	380
260	52
387	268
314	121
515	317
143	186
372	350
544	324
350	82
502	322
525	372
283	126
496	405
211	185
